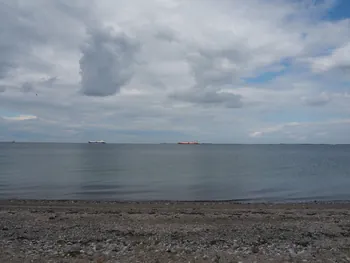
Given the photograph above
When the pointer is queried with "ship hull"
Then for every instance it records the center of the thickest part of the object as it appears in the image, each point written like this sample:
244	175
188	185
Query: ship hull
187	143
97	142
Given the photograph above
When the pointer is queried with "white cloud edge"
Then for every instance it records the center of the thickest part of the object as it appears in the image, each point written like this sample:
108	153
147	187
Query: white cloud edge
20	118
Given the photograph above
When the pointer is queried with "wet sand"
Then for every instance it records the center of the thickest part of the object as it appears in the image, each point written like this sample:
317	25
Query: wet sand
79	231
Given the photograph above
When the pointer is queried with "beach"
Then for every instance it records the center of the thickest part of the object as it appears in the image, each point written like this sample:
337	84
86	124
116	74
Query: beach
88	231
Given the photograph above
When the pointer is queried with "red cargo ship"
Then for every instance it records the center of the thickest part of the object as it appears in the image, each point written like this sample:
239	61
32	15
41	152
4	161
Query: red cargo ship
188	143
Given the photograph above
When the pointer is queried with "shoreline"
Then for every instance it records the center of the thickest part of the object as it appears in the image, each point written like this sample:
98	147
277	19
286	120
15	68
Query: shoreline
218	203
173	231
174	201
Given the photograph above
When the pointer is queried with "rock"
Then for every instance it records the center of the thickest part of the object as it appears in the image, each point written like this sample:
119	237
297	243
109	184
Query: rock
303	242
170	250
255	240
188	250
100	259
60	242
99	246
73	250
292	253
216	259
255	249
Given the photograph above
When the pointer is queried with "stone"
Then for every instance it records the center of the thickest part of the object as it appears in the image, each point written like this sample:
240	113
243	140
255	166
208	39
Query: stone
73	250
255	249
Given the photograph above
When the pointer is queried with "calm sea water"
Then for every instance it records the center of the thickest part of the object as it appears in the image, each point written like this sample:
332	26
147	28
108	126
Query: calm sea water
175	172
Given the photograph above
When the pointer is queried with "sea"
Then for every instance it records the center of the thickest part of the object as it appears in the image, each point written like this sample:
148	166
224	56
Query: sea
141	172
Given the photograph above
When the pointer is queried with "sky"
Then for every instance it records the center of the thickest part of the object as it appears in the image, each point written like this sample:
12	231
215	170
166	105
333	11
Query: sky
227	71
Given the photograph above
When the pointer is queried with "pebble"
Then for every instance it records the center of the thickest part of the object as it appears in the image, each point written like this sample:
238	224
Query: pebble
139	237
73	250
99	246
255	249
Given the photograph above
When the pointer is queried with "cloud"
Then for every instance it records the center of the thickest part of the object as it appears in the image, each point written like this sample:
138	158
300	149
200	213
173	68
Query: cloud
218	71
216	68
20	118
274	129
306	131
12	46
2	88
256	134
209	97
27	87
166	35
33	43
339	60
317	100
49	82
107	62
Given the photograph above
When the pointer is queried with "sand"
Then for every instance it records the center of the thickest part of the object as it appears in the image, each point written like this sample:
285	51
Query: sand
78	231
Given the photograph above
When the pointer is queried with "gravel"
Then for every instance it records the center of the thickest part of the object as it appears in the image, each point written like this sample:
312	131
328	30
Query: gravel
82	231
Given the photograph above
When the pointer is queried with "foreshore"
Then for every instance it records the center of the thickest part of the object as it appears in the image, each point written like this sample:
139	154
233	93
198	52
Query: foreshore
88	231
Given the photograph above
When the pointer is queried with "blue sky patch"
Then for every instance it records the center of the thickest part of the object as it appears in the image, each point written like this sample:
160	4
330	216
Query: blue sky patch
264	77
267	76
341	10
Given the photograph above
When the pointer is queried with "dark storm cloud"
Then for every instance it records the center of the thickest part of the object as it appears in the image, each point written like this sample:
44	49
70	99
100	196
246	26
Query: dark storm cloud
107	62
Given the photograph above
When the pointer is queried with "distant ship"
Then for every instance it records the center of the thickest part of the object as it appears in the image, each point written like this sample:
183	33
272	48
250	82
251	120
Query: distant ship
195	142
101	141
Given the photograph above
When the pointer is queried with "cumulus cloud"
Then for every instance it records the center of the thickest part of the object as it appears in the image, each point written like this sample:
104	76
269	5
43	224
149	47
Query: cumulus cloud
177	66
107	62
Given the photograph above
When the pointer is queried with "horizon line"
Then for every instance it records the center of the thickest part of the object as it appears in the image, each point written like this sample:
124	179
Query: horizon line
157	143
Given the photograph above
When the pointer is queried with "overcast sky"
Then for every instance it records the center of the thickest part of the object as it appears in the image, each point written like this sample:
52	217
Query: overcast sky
221	71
